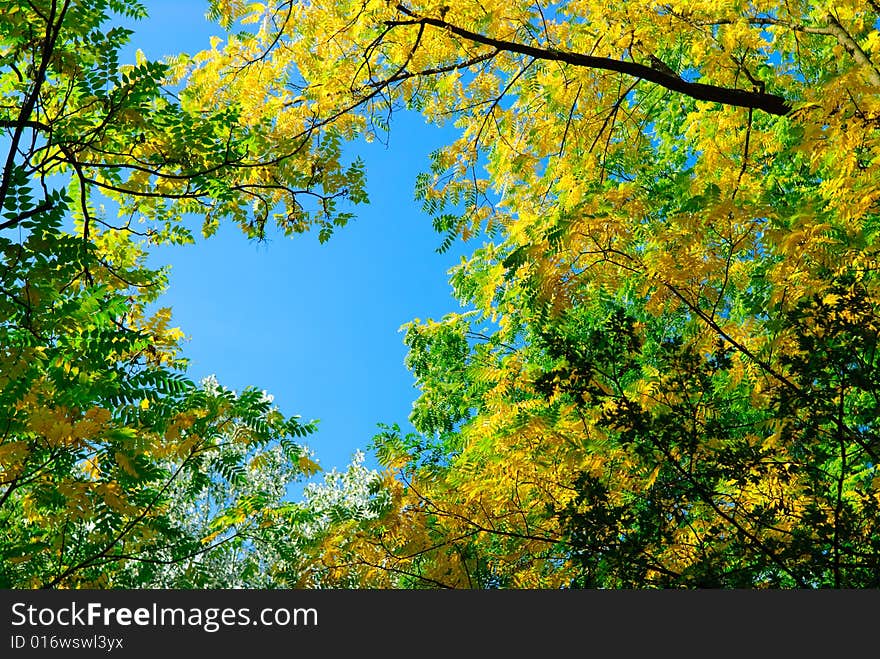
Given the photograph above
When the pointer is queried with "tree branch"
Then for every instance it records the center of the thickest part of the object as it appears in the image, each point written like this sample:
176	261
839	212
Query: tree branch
852	47
41	208
770	103
27	108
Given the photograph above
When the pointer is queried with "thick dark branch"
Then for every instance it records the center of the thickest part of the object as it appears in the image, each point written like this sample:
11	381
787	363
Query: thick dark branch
770	103
42	208
27	108
36	125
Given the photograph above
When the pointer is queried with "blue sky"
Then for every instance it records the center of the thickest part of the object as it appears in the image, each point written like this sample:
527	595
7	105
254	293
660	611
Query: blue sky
314	325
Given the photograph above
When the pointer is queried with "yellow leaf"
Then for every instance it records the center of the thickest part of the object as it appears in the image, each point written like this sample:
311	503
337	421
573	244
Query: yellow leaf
127	465
652	477
208	539
308	466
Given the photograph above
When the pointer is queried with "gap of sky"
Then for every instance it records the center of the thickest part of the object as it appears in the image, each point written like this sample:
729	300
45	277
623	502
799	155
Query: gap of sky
316	326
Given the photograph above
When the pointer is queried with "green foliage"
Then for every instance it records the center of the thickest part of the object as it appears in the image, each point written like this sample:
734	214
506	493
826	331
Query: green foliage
102	431
668	376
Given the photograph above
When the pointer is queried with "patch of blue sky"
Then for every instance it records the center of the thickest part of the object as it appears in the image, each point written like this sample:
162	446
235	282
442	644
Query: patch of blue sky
314	325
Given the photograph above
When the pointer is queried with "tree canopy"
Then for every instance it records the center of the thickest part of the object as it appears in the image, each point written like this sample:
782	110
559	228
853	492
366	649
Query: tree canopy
104	439
666	371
